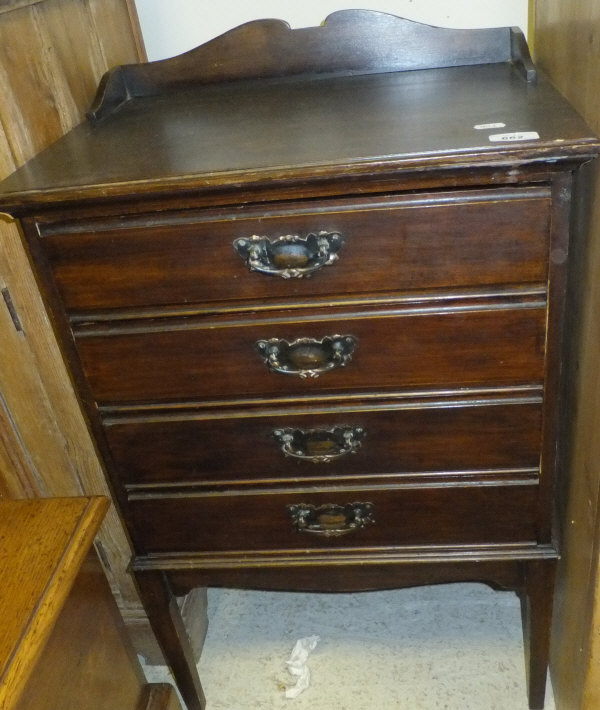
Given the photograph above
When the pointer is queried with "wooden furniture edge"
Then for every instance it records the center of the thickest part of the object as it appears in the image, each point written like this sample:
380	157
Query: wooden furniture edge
10	5
160	696
241	53
420	555
57	589
136	30
564	37
262	184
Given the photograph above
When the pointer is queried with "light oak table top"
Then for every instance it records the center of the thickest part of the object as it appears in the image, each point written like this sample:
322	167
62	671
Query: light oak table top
43	543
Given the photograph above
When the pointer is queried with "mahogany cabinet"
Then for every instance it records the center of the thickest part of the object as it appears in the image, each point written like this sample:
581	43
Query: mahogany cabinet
312	288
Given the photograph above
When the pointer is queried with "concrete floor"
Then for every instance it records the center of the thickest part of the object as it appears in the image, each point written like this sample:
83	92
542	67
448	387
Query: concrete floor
448	647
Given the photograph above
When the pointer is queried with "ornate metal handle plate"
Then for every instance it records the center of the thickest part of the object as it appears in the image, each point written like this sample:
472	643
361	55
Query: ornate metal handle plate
289	256
307	357
319	445
331	520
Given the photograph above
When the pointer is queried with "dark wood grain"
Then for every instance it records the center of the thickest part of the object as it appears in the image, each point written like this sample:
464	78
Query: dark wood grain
414	516
342	44
240	446
219	359
503	573
167	623
294	131
391	243
536	609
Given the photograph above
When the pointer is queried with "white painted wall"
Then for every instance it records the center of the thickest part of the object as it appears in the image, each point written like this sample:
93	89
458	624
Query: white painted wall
174	26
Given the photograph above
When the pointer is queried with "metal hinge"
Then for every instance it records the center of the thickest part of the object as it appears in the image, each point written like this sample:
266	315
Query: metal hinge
11	309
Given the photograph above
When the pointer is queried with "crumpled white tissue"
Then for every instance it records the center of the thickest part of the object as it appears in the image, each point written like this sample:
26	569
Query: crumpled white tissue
297	665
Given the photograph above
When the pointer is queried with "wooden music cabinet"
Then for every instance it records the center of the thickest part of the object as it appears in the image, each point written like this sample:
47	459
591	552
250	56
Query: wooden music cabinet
311	285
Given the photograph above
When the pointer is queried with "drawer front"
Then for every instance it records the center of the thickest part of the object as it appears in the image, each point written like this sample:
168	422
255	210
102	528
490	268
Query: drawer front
271	446
418	516
393	350
396	243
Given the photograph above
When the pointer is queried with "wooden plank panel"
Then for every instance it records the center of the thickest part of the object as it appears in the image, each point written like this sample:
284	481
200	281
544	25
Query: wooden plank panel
10	5
7	161
78	64
19	382
28	109
112	19
16	474
14	458
52	55
35	382
567	41
567	47
136	30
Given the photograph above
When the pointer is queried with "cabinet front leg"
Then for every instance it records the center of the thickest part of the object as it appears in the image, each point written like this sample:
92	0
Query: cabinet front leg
536	610
168	626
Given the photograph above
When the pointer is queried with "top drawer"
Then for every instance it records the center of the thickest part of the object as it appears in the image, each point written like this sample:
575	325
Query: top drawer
392	243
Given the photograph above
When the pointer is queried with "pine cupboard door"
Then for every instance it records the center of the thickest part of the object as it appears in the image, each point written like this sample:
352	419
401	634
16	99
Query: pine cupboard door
52	55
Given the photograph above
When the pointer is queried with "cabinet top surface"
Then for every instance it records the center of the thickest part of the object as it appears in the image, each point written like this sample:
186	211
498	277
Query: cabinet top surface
297	127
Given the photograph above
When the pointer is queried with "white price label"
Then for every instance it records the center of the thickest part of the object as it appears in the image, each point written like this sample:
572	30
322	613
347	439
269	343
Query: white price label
488	126
510	137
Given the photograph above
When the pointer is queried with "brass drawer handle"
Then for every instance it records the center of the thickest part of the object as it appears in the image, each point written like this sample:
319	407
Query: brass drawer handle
289	256
307	357
331	520
320	445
